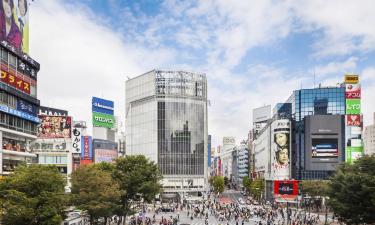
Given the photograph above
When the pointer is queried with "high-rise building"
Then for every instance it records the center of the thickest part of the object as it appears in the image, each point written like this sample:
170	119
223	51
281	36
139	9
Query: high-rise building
18	92
166	120
242	162
369	139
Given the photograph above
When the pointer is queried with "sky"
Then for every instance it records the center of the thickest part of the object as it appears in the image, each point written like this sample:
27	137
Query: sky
254	53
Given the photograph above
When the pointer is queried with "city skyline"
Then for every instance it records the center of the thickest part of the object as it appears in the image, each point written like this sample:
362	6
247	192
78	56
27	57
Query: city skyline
246	50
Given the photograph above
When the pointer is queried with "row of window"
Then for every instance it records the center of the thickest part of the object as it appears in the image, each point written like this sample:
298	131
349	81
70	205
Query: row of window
17	64
8	99
47	159
14	145
18	124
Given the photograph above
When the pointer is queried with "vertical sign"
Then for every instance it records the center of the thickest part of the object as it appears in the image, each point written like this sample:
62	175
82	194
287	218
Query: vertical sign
76	139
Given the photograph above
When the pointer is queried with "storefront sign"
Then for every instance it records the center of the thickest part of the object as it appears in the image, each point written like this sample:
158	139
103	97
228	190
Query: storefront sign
15	82
23	115
353	120
353	106
103	120
76	139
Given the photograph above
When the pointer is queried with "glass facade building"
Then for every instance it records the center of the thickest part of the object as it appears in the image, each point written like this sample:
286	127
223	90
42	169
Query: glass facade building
166	120
308	102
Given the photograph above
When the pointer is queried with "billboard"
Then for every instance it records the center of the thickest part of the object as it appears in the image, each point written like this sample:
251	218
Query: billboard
285	190
14	22
104	150
261	114
353	120
76	140
353	153
261	152
323	148
26	107
353	91
351	79
86	147
54	126
280	149
43	110
102	106
15	81
353	106
103	120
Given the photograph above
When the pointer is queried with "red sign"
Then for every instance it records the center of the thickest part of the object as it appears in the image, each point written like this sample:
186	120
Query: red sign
353	120
353	91
285	190
15	81
86	147
86	161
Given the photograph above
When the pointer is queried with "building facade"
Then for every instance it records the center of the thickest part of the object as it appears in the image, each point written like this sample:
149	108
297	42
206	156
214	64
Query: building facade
18	107
166	120
369	138
242	162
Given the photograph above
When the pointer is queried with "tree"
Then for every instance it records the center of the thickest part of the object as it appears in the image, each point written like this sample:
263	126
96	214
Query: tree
226	181
95	192
218	184
246	182
33	195
256	188
138	178
316	189
352	191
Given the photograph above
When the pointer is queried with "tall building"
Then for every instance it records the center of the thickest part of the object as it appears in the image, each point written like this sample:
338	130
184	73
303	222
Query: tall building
166	120
369	138
242	162
18	93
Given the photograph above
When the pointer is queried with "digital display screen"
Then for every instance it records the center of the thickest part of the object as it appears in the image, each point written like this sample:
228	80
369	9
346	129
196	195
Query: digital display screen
324	148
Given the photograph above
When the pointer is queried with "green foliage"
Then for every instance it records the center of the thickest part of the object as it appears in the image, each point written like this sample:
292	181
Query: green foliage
33	195
315	188
257	188
94	191
137	177
246	182
218	184
226	181
352	191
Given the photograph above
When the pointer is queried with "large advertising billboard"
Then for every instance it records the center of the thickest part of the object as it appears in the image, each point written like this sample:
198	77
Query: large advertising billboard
285	190
103	120
353	91
15	81
104	150
353	106
54	126
280	149
14	24
323	148
102	106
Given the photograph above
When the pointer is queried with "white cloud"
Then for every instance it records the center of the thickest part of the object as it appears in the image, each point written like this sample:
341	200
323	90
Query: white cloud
334	68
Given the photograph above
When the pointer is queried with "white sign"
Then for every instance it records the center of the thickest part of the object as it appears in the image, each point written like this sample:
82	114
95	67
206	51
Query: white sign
229	141
76	140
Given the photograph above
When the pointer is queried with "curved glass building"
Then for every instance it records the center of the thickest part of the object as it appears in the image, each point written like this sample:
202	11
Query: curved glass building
166	120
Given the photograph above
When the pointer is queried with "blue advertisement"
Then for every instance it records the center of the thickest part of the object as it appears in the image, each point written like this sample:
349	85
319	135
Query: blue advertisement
86	146
23	115
26	107
102	106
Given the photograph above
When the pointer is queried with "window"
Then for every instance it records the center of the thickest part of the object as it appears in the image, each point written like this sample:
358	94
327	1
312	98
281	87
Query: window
4	55
12	60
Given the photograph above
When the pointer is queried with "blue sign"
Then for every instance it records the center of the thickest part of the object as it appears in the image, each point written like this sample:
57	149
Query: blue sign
23	115
102	106
26	107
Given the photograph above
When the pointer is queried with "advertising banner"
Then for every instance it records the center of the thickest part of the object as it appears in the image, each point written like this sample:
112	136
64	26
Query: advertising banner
15	82
285	190
102	106
52	111
324	148
351	79
352	91
77	140
353	120
105	155
280	149
103	120
353	153
17	35
353	106
86	147
26	107
23	115
54	127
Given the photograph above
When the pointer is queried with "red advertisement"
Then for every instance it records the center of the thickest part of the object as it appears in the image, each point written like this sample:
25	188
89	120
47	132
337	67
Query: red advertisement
353	91
353	120
285	190
15	81
54	126
86	161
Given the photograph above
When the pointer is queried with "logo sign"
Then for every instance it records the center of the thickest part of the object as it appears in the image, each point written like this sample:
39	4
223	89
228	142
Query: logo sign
14	81
102	106
353	91
351	79
103	120
76	139
353	120
229	141
285	190
23	115
86	147
353	106
26	107
52	111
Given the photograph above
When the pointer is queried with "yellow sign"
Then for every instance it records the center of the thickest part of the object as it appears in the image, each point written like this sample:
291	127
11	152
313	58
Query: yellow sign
351	79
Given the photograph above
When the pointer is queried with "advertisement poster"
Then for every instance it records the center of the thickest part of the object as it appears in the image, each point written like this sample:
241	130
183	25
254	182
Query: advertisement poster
86	147
353	91
76	140
17	13
353	106
105	155
26	107
353	153
102	106
280	150
324	148
54	127
103	120
15	81
353	120
285	190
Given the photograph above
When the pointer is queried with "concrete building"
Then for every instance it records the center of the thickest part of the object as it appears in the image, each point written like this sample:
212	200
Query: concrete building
242	162
166	120
369	138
